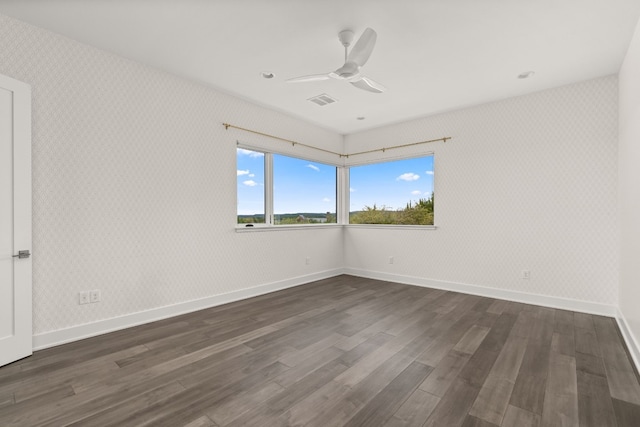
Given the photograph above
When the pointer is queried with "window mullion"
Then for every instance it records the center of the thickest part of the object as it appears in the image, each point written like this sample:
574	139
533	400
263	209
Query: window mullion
268	188
342	197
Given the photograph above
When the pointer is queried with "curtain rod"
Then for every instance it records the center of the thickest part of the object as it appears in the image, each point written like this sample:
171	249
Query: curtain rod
294	143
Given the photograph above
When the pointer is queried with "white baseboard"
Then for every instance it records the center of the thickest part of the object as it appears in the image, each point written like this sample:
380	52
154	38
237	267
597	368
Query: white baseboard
629	339
75	333
527	298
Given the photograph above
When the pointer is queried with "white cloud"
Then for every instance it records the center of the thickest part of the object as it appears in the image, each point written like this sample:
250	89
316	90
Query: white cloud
251	175
240	172
352	190
314	167
416	192
249	153
409	176
429	172
250	183
326	200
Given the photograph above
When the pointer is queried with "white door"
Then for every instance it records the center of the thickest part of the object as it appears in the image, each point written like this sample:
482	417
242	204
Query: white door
15	220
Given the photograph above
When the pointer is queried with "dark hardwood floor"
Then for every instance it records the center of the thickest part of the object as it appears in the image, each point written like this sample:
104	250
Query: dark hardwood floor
345	351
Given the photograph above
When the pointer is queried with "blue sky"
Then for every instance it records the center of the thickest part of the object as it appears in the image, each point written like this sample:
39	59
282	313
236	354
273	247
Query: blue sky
305	186
250	169
390	184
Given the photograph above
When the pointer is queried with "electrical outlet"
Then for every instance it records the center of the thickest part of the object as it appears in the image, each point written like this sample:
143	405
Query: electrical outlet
83	297
307	260
390	260
94	296
526	274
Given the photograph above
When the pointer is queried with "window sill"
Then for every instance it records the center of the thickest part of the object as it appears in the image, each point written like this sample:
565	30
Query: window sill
393	226
260	228
284	227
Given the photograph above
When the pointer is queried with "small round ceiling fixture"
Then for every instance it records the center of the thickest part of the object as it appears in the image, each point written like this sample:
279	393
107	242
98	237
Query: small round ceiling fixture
526	74
267	74
360	118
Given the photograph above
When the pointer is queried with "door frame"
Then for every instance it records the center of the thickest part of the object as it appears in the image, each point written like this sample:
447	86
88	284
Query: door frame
20	344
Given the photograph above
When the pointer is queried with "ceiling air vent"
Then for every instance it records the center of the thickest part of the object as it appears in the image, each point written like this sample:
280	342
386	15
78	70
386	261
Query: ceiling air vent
322	100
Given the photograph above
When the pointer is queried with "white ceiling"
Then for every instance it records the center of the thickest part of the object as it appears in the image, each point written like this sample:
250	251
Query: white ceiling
432	55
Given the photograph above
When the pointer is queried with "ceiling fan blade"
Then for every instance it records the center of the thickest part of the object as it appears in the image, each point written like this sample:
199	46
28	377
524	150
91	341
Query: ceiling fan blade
367	84
311	78
363	47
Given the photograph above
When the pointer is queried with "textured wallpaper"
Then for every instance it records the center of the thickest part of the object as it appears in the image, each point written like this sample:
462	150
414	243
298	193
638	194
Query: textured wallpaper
134	185
527	183
134	189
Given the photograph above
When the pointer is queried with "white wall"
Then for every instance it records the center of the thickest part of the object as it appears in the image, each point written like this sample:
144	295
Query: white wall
134	192
134	186
527	183
629	192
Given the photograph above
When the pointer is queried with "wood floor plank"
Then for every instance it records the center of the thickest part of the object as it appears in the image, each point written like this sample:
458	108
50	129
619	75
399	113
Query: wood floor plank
235	405
523	323
472	421
366	347
583	321
414	411
340	351
520	417
590	364
445	341
30	383
305	386
472	339
561	394
529	389
6	399
627	414
300	355
308	366
373	360
454	405
564	343
621	376
380	326
586	342
595	407
194	401
441	378
388	401
364	391
116	414
492	401
497	306
495	394
337	402
202	421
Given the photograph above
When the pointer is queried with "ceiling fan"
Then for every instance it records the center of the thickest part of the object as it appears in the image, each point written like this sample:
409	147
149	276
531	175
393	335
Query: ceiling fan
353	62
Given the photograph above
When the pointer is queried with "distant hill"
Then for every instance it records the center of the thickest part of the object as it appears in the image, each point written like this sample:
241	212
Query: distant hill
290	215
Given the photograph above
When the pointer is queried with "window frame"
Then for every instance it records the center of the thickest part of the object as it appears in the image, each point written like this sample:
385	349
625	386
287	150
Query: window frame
347	204
343	199
269	215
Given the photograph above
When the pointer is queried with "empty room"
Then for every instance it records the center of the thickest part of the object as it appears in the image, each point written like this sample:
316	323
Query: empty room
433	220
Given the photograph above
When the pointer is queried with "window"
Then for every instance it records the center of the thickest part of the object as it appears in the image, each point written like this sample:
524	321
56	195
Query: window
394	192
304	192
250	193
274	189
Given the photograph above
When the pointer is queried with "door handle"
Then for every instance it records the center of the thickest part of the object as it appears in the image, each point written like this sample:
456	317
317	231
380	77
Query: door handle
22	254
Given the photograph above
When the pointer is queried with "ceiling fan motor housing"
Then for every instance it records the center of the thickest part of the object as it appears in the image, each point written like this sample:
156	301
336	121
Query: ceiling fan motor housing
346	37
349	69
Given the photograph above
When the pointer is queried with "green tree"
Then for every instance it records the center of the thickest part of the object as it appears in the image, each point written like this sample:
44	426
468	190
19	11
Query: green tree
420	213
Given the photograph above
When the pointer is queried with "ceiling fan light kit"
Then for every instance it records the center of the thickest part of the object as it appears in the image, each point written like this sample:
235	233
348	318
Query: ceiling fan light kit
353	63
